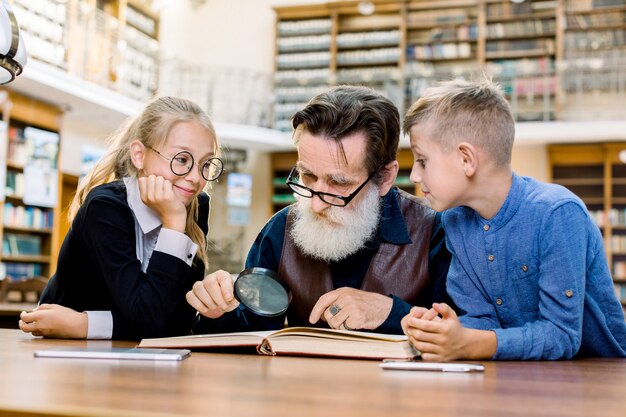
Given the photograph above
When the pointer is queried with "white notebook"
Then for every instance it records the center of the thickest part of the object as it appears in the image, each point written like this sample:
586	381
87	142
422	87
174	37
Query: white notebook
115	353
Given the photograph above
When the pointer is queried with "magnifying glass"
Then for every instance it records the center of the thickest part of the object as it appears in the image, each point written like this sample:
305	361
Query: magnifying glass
260	291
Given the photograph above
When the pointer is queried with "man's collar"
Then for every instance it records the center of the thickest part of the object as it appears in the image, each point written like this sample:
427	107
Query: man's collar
147	218
392	226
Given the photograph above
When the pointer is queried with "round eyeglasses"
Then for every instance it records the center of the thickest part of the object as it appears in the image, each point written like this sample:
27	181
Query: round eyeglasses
182	163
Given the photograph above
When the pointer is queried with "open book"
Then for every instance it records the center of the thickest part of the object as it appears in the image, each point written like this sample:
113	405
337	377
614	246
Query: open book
299	341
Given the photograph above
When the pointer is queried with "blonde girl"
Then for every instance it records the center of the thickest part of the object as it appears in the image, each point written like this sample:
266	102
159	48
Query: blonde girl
138	237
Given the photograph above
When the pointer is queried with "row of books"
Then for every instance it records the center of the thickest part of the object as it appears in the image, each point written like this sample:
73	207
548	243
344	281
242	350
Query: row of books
303	43
614	217
297	93
592	58
586	21
142	22
368	74
27	216
618	243
369	56
595	39
138	72
367	39
529	45
15	184
619	270
53	10
303	60
45	36
17	244
468	32
286	110
517	67
18	270
29	143
441	51
429	18
588	5
545	27
523	87
305	26
496	10
302	77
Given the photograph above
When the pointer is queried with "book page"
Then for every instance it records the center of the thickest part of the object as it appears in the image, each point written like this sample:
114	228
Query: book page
337	334
209	340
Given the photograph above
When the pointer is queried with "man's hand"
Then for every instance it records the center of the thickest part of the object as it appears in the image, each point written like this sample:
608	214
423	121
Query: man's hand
213	296
352	309
158	194
53	320
444	338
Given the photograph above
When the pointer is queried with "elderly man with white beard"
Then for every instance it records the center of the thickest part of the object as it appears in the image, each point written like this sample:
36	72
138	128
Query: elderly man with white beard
355	252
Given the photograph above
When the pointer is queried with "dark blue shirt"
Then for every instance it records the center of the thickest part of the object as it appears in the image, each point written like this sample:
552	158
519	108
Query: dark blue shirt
348	272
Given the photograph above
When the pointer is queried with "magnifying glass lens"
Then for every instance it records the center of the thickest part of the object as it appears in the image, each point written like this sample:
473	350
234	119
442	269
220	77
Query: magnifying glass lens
260	291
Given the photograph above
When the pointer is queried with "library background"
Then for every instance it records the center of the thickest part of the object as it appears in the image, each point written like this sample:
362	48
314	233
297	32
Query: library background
252	64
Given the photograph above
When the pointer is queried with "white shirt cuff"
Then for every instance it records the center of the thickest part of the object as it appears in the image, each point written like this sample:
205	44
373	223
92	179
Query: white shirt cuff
99	325
176	244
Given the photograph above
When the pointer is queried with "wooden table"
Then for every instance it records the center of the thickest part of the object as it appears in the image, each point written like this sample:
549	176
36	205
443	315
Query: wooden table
222	384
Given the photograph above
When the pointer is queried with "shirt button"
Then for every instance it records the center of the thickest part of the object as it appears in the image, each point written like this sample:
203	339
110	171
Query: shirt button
486	227
499	301
524	268
491	258
189	256
569	293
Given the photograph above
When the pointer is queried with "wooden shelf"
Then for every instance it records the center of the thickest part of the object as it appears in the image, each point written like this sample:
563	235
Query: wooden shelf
518	54
25	114
594	28
599	10
578	181
527	16
27	230
43	259
519	37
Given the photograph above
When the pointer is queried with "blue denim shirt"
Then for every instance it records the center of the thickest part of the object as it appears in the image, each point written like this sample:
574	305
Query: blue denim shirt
349	272
536	274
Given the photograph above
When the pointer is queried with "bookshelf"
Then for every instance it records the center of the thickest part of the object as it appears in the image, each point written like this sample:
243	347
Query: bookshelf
597	174
404	46
113	43
368	49
520	51
594	43
29	219
442	42
302	65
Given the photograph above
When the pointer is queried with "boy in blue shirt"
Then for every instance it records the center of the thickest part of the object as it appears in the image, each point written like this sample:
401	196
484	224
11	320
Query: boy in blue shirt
528	272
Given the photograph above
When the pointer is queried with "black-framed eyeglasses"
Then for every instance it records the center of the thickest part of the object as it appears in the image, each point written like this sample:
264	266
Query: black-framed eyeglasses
328	198
182	163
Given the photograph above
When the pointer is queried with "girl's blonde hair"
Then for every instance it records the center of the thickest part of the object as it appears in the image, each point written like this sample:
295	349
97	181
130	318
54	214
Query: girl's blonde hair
151	128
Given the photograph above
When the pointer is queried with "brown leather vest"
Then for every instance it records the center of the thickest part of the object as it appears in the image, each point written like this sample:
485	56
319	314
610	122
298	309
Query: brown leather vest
401	270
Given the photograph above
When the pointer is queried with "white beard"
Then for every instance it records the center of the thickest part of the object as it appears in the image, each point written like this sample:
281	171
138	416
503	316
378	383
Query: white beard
338	231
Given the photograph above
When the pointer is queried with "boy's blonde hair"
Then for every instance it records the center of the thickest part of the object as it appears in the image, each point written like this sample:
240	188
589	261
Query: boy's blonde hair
459	110
151	128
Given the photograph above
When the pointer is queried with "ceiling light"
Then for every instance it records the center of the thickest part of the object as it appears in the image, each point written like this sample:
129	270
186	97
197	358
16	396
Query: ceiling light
12	49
